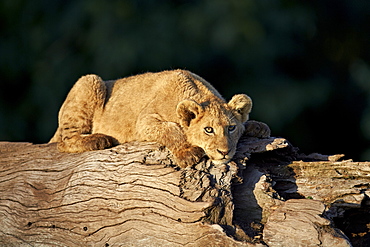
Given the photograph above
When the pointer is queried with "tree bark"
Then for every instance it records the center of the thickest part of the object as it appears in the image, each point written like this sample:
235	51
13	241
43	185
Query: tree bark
134	195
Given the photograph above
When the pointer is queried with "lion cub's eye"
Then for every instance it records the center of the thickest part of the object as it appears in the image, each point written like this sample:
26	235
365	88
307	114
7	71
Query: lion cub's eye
231	128
208	130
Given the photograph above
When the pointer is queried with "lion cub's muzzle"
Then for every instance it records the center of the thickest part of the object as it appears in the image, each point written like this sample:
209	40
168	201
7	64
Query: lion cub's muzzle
222	157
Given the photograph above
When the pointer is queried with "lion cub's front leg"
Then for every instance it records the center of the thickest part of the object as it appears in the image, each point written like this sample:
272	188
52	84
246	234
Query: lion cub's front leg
151	127
85	99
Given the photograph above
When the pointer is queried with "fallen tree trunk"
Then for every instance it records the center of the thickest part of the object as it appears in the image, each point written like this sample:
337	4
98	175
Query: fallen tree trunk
134	195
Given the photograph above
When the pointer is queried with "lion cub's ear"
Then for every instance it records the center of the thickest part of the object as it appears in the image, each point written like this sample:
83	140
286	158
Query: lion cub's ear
188	110
242	106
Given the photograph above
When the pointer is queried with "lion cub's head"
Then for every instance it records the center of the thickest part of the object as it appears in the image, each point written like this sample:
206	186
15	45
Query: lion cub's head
215	126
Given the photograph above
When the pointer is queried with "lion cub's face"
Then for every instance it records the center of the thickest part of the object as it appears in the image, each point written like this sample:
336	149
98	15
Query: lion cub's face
216	135
216	126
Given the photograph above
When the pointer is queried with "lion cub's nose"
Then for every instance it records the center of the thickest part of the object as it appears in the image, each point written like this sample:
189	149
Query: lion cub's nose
224	153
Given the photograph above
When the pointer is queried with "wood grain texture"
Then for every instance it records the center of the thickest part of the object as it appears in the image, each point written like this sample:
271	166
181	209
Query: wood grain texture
344	182
310	228
128	195
134	195
274	180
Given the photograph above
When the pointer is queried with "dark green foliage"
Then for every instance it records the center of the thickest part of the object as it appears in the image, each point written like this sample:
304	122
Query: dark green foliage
306	64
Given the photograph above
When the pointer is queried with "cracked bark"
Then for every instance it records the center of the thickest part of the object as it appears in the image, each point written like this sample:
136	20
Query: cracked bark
133	195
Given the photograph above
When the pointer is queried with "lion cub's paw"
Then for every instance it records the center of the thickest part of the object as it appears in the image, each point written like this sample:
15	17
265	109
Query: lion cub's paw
80	144
97	141
257	129
188	156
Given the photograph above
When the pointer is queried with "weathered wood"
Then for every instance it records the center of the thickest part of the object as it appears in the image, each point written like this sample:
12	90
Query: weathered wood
324	181
133	195
272	178
128	195
310	228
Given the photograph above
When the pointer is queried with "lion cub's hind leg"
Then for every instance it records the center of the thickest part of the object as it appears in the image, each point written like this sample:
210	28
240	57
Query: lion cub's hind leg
85	99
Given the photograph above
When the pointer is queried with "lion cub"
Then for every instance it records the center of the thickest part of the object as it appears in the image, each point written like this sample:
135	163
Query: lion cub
176	108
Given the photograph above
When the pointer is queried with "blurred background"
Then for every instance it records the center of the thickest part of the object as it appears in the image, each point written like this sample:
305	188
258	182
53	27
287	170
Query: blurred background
306	64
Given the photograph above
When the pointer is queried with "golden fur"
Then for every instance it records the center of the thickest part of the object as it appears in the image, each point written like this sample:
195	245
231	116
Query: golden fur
175	108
